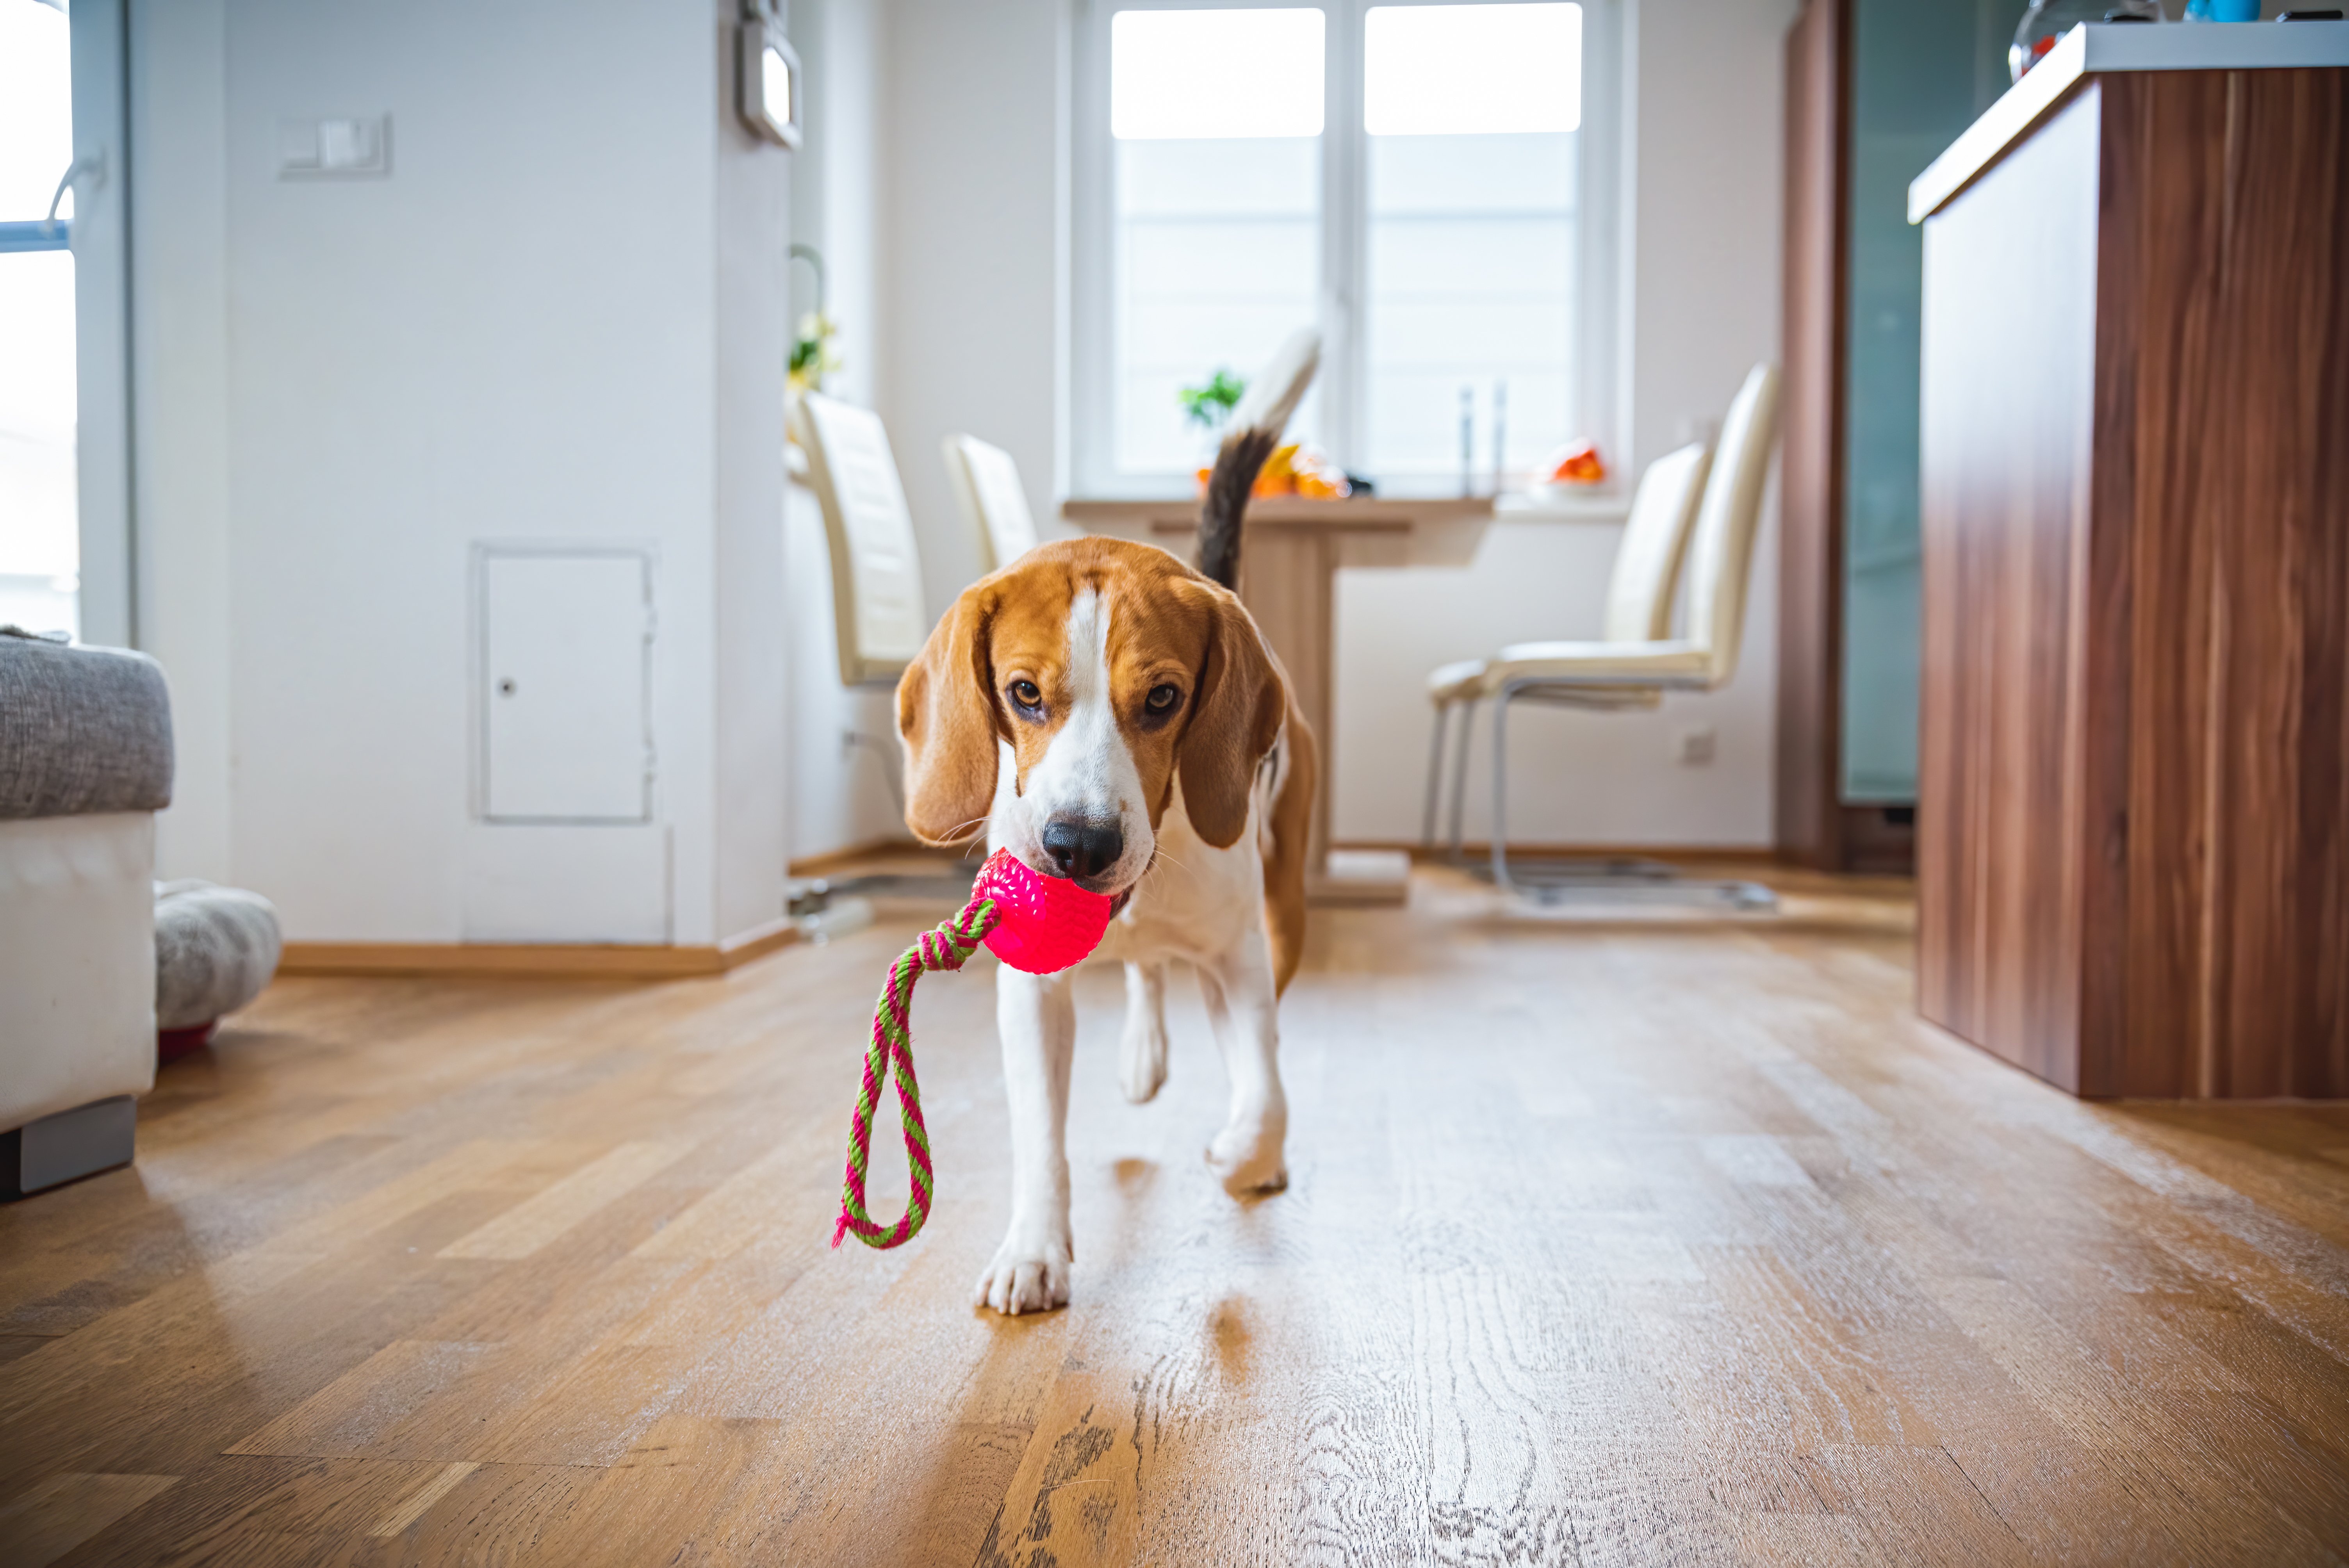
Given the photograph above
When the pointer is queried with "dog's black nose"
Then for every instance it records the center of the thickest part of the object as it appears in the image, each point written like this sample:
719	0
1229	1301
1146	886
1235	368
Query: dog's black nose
1083	850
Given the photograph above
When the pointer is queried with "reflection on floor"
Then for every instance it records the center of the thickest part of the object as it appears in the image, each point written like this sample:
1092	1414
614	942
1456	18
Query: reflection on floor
1665	1238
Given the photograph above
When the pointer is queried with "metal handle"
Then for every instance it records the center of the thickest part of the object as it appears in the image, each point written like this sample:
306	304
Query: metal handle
92	163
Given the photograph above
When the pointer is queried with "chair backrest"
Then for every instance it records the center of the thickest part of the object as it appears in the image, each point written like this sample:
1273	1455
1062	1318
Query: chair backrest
1722	558
1278	388
1655	541
876	567
986	483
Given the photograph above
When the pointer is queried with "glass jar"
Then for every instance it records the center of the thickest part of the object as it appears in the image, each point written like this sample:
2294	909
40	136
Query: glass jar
2049	20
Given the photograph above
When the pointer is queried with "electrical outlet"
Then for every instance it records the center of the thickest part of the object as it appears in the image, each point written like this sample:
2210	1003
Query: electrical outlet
1694	747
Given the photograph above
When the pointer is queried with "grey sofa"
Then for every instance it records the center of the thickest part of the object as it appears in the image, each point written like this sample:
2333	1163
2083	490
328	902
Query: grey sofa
85	764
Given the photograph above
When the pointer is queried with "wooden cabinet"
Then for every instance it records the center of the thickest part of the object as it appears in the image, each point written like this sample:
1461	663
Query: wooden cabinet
2133	852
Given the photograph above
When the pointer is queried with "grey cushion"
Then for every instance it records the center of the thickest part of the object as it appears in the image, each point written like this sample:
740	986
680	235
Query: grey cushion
82	730
215	948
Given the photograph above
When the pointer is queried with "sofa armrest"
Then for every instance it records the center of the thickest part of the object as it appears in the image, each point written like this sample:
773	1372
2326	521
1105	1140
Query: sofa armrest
83	731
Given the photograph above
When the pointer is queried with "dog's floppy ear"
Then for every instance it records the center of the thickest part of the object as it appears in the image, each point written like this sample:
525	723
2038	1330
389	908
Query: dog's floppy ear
1234	723
946	714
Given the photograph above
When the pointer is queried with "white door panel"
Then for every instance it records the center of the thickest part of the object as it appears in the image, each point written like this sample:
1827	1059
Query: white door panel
566	671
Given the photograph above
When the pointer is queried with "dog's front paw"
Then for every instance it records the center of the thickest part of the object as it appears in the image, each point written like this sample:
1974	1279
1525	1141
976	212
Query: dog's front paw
1246	1158
1025	1277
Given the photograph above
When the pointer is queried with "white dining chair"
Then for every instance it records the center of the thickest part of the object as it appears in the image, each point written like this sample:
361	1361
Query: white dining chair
1638	608
1615	674
876	565
986	484
878	614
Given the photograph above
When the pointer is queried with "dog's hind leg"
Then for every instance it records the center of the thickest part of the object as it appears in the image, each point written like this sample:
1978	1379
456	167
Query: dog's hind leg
1143	1051
1243	1004
1037	1016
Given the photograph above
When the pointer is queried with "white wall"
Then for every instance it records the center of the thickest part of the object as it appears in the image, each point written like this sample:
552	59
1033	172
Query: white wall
180	381
751	842
840	791
975	168
977	184
526	333
837	192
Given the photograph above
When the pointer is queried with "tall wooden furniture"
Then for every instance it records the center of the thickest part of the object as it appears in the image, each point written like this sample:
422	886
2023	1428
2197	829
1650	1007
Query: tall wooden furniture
1810	558
2134	827
1874	88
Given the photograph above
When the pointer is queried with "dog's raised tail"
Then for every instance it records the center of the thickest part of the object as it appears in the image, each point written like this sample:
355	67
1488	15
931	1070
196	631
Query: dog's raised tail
1257	424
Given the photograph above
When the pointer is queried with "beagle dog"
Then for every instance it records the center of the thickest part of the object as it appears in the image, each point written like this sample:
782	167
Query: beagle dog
1110	715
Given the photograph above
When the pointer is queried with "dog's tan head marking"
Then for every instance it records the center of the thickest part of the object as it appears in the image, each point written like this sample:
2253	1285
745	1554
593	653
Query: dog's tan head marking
1067	694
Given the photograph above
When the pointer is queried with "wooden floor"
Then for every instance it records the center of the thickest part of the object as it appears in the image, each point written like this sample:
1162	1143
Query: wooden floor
1642	1241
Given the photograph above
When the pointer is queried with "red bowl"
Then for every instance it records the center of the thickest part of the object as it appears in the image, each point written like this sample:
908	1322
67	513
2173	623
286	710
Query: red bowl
1047	924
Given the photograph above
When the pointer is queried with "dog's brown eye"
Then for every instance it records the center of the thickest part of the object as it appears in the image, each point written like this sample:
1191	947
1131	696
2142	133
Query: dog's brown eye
1025	694
1162	698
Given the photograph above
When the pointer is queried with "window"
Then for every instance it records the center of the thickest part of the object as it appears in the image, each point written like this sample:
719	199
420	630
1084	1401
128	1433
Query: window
1429	183
1215	119
40	547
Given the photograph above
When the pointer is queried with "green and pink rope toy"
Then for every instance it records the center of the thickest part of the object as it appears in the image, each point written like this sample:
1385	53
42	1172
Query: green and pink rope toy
1038	923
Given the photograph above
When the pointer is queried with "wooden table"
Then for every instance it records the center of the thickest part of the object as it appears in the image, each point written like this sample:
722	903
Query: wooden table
1289	572
2133	843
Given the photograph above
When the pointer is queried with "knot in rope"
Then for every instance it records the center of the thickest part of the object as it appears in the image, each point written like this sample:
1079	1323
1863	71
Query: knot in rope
944	947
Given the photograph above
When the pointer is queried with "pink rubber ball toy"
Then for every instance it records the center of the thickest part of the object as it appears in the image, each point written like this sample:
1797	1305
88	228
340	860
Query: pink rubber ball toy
1045	925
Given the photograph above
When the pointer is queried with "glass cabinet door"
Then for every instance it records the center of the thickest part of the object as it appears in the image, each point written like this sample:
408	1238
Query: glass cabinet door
1921	71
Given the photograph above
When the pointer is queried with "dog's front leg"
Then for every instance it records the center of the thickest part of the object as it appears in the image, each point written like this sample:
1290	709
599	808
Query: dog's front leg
1037	1016
1142	1054
1243	1006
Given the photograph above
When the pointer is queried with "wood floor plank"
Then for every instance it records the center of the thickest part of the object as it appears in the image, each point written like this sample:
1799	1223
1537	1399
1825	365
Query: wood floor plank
494	1514
198	1386
232	1509
656	1502
2160	1447
62	1510
417	1503
1608	1240
1919	1506
522	1229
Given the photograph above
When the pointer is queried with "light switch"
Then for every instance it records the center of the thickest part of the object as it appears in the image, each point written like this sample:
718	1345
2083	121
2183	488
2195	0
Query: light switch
334	149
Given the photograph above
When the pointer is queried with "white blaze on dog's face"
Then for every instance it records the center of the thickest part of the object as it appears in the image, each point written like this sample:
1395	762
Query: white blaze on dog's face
1079	807
1060	699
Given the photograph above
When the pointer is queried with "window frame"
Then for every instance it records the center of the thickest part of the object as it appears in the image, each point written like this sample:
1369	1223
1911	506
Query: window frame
1602	227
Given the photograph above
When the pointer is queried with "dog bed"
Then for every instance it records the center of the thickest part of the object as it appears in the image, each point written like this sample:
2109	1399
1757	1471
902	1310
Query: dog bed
215	949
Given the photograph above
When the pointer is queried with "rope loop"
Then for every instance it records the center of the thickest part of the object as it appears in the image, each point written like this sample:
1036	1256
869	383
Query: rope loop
891	1054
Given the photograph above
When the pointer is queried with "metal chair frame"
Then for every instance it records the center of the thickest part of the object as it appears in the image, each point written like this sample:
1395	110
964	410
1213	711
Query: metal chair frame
1550	881
1621	868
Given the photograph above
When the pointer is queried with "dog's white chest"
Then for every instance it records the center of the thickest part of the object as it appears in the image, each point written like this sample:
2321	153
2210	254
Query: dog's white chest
1195	900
